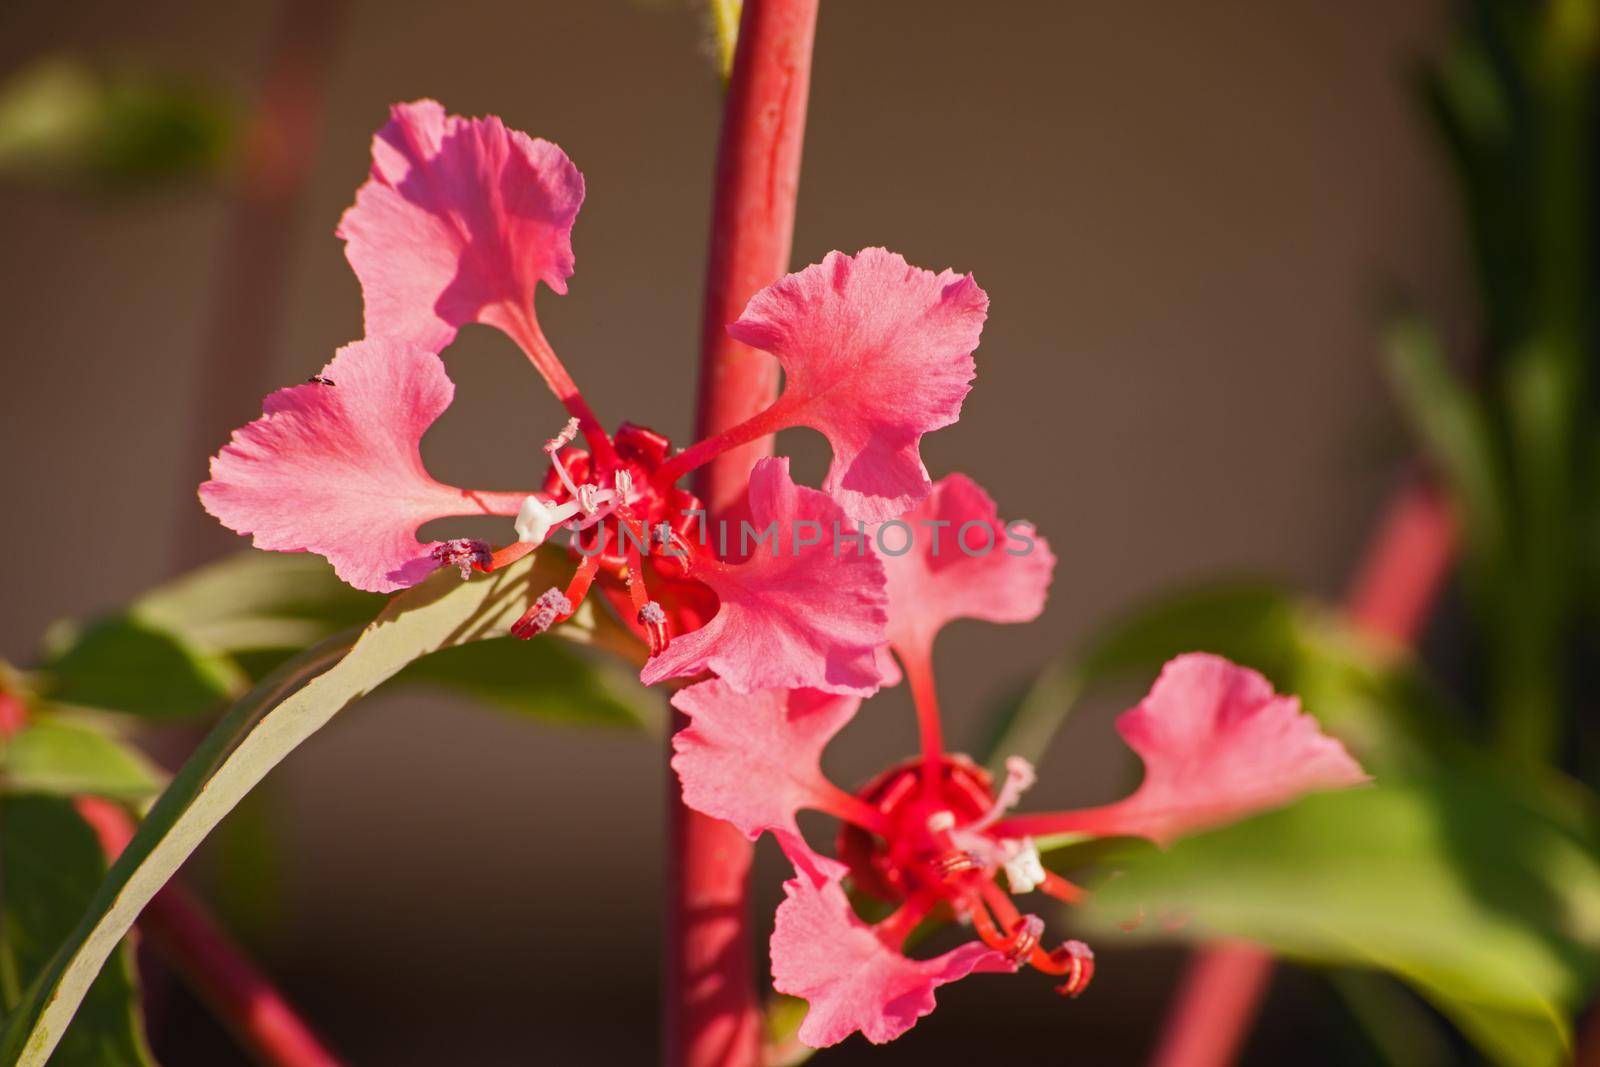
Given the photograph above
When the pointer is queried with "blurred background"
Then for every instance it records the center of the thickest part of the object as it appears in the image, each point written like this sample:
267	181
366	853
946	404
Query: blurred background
1188	218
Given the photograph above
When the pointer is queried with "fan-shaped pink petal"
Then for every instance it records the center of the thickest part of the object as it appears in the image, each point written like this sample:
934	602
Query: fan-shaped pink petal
459	222
756	759
804	611
1218	745
334	467
824	954
876	353
960	562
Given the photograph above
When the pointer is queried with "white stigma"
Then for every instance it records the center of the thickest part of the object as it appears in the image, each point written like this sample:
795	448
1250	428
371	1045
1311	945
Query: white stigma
1024	868
536	518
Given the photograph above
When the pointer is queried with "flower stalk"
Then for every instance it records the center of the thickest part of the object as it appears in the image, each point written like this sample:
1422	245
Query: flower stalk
711	1011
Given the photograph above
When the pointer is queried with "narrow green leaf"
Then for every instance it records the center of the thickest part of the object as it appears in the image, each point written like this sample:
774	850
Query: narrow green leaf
1483	899
724	15
1453	427
50	866
268	724
67	759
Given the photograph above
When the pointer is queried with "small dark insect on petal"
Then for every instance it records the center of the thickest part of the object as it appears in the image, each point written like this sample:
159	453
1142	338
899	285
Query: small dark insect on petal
320	380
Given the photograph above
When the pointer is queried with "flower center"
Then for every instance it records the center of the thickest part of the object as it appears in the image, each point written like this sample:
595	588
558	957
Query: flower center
630	531
934	852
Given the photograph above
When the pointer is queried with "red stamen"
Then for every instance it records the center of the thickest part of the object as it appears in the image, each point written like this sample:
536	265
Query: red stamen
647	612
554	606
894	930
506	556
1061	889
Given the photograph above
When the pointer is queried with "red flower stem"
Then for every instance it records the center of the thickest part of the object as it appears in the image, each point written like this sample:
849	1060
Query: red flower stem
711	1011
215	967
752	225
1391	596
918	669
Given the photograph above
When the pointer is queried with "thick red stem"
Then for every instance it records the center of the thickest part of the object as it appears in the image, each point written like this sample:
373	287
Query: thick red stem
216	968
752	225
1391	595
711	1010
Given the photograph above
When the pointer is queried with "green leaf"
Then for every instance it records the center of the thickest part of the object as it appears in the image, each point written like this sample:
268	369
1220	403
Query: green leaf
1484	897
1453	426
52	865
262	729
126	664
724	15
257	601
188	646
544	680
67	759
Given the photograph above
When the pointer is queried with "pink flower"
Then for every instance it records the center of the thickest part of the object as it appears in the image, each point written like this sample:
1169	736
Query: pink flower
459	222
334	467
932	835
850	977
798	614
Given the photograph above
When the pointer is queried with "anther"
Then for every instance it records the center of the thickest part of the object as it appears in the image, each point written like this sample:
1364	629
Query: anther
586	498
1020	776
1078	959
551	606
1025	935
568	434
654	620
463	554
951	864
622	481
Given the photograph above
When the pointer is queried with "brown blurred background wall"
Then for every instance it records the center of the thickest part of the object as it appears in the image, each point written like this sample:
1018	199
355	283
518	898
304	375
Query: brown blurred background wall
1184	214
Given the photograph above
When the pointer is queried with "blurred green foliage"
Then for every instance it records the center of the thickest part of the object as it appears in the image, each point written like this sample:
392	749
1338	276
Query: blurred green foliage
52	867
1516	434
65	121
1470	869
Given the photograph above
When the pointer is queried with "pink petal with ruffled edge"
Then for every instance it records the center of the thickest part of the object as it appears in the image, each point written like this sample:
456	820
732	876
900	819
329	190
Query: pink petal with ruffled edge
824	954
337	470
459	222
962	563
792	616
755	759
876	353
1218	744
